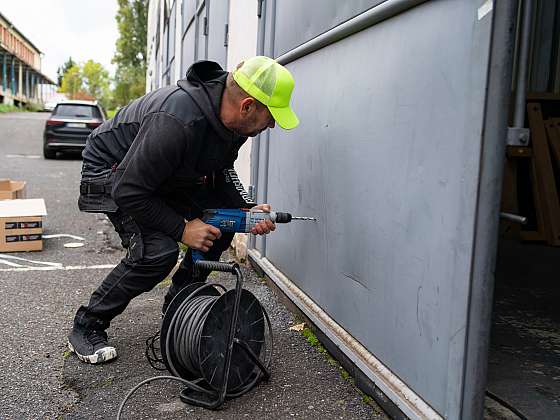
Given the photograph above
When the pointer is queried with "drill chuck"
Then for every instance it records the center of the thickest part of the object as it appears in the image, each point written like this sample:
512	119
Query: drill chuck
280	217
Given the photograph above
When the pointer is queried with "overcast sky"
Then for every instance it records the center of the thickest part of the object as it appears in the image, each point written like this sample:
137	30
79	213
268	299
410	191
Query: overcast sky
82	29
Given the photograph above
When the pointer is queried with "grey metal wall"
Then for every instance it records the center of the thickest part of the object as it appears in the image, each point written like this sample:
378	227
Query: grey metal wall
387	155
204	32
311	18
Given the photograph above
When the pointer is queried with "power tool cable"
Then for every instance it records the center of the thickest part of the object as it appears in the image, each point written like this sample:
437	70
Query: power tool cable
507	405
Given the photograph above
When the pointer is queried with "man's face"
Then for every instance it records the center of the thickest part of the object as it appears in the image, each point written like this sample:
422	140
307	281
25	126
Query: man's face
254	118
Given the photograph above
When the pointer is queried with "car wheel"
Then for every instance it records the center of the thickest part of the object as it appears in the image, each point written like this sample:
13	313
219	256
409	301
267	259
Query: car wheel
47	153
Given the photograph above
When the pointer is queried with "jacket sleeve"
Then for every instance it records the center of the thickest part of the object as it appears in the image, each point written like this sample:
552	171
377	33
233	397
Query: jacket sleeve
232	188
158	149
229	184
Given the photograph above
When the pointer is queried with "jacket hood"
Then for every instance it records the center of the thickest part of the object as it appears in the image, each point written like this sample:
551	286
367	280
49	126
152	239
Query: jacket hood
205	82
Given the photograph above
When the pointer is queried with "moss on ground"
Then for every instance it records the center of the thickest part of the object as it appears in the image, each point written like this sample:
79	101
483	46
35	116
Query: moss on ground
313	341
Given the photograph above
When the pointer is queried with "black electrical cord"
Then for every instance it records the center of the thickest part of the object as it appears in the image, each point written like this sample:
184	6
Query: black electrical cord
153	353
190	384
507	405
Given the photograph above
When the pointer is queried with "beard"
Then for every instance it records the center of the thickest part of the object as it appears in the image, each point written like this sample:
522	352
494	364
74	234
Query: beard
249	130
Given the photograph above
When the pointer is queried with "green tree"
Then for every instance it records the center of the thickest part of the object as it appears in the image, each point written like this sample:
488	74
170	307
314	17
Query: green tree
96	79
130	83
72	81
63	69
130	55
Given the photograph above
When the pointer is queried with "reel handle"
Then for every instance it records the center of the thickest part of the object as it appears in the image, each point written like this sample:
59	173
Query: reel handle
216	266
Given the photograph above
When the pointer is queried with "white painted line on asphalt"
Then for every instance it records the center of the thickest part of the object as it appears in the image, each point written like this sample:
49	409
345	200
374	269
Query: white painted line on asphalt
23	156
63	268
73	245
11	264
63	235
11	257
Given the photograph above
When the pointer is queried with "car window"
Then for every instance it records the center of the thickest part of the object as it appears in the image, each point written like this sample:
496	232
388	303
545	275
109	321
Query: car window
77	111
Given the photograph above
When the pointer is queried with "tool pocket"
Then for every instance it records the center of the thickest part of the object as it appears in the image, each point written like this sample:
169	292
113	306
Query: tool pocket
135	251
129	232
95	193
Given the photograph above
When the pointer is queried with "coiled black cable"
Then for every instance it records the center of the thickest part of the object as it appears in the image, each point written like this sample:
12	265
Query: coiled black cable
186	326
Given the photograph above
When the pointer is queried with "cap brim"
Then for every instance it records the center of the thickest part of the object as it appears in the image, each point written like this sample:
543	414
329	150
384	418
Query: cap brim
284	117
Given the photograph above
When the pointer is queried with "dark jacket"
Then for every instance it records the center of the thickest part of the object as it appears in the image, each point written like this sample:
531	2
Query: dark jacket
162	148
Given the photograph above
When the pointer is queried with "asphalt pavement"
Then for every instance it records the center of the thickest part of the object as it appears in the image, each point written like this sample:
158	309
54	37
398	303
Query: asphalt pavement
40	292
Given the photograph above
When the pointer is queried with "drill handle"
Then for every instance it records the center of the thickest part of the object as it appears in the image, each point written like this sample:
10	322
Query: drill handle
197	255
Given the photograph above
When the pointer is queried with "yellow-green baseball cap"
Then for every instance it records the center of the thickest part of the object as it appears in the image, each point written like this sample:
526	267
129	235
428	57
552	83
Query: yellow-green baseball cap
271	84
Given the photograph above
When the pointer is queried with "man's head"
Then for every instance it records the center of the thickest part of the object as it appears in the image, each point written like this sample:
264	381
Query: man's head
257	96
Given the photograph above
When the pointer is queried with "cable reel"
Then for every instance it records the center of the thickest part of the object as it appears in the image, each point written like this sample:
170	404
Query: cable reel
217	342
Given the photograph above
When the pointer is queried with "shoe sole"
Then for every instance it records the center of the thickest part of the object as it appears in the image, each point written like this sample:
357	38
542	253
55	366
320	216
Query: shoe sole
100	356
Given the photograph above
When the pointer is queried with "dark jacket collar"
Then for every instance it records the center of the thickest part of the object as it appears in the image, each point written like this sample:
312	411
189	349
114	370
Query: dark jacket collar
205	82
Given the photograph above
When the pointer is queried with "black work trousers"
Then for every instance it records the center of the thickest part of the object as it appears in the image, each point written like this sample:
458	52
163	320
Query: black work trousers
150	257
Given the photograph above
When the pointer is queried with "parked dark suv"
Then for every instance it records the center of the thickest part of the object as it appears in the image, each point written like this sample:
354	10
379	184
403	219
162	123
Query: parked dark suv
69	125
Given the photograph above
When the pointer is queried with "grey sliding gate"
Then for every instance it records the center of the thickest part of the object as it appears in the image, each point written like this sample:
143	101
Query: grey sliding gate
399	154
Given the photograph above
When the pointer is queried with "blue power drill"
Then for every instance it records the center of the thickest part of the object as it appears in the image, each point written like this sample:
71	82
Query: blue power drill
242	221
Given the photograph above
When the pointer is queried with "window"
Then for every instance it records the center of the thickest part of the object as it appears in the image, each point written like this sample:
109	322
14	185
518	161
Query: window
77	111
171	32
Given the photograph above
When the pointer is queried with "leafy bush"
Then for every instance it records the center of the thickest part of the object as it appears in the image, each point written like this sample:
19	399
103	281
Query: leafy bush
9	108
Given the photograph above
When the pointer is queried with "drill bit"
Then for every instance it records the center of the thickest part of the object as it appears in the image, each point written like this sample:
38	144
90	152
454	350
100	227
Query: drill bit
303	218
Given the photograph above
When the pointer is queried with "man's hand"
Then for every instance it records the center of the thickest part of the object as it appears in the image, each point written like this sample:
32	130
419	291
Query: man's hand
266	226
199	235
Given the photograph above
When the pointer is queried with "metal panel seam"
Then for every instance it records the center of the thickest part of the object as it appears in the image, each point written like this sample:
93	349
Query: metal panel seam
267	137
410	403
255	144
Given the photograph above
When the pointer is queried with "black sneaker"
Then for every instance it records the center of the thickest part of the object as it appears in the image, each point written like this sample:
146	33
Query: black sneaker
91	346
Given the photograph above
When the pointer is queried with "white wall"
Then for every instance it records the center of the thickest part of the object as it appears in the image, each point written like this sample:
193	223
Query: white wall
243	28
151	35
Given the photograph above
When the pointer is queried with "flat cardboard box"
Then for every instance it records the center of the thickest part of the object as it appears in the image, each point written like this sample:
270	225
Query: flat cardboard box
11	190
21	225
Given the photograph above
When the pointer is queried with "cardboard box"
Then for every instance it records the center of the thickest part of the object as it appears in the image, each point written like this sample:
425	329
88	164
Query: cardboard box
21	225
11	190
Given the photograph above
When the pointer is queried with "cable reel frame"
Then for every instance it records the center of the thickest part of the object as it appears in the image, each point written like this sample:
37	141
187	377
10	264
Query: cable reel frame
220	345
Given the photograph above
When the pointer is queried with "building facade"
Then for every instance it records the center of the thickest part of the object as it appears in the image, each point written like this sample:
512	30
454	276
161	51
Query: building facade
403	110
21	79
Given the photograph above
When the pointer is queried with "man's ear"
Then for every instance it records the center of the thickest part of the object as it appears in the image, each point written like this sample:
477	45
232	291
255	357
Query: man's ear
247	105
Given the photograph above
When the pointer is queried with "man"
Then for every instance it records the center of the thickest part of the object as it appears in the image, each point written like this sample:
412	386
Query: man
157	165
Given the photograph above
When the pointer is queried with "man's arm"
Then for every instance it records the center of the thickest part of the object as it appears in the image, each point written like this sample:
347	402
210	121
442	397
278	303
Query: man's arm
157	151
